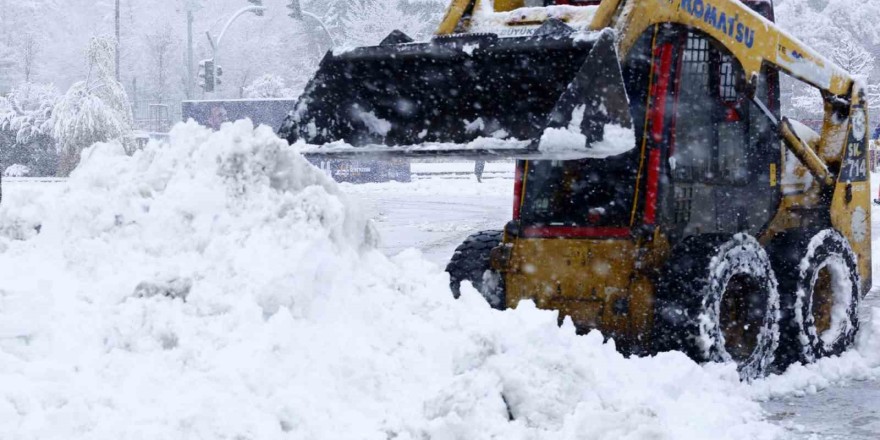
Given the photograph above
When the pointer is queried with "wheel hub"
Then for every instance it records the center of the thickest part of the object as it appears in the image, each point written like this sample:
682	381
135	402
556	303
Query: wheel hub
742	316
823	300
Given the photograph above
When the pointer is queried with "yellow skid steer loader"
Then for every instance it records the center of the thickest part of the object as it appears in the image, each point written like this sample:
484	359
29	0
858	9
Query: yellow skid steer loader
660	196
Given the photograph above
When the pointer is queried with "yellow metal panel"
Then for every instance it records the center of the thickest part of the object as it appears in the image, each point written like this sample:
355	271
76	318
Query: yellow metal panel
809	66
805	154
854	222
605	14
851	205
508	5
453	16
589	280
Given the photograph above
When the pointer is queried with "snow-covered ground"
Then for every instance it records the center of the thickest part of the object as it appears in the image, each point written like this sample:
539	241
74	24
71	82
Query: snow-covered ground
435	215
220	287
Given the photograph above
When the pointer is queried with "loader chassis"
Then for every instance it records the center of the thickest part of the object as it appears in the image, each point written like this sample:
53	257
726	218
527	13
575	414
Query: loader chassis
593	238
708	167
727	231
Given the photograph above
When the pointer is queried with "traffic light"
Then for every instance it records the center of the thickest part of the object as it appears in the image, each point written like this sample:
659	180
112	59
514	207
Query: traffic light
217	74
201	81
257	3
206	75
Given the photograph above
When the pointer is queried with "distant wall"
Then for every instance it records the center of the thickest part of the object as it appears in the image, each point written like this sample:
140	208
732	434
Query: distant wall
213	113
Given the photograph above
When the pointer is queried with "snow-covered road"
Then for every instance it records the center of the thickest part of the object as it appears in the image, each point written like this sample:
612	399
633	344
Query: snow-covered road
435	215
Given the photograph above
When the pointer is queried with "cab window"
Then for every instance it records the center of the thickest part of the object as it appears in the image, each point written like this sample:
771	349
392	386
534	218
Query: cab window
722	149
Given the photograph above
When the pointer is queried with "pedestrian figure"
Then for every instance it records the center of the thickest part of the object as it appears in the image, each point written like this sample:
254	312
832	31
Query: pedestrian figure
479	166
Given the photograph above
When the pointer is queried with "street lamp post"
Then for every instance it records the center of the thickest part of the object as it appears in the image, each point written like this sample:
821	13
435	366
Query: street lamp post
215	43
192	6
118	42
297	13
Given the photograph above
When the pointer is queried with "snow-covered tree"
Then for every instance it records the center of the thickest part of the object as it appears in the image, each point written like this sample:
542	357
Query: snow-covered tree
839	31
29	48
26	124
301	73
853	57
317	25
93	110
160	44
253	46
369	21
268	86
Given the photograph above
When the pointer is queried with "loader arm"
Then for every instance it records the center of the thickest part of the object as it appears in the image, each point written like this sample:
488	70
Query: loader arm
457	10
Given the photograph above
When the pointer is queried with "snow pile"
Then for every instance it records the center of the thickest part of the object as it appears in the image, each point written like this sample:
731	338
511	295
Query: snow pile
571	143
221	287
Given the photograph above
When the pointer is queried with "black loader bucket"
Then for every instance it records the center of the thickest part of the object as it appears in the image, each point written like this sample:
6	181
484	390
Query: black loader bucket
468	96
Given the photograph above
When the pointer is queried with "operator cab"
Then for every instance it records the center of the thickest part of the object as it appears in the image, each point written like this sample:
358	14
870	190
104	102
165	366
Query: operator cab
706	157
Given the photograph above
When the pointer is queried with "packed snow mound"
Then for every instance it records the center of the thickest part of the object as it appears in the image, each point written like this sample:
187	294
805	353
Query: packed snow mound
218	286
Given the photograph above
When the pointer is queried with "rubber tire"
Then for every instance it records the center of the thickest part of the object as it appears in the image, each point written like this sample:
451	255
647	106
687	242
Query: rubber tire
470	262
689	296
797	257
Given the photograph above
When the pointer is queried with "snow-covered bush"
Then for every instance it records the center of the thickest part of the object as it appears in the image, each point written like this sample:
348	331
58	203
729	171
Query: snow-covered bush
268	86
93	110
17	170
27	111
26	123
